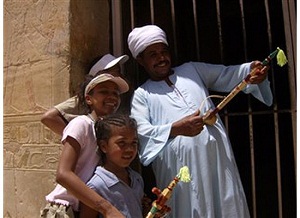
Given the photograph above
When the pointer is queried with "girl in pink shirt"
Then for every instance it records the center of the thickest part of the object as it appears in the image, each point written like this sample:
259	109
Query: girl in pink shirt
79	158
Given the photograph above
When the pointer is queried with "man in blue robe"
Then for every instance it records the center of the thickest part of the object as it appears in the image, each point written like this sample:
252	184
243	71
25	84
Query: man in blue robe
169	109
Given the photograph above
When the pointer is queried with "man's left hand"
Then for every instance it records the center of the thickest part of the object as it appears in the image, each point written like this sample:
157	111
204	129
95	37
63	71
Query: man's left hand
260	74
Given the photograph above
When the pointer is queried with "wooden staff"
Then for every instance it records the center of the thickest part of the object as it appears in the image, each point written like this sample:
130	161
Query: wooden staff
158	204
210	116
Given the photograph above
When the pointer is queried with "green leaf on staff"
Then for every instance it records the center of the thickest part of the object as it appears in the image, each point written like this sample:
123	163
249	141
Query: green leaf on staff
184	174
281	58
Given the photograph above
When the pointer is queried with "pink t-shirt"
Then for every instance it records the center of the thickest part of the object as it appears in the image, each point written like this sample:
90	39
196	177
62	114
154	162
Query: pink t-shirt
82	130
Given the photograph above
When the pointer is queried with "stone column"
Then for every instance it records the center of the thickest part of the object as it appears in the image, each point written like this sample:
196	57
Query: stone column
48	47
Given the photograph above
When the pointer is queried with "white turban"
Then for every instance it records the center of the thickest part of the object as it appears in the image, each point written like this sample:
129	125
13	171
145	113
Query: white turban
141	37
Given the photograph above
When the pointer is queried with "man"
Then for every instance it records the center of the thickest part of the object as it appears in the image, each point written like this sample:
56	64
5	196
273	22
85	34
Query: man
58	117
172	133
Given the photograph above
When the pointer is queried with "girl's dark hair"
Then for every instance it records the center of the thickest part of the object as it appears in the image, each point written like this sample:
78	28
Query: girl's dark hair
104	127
81	98
80	91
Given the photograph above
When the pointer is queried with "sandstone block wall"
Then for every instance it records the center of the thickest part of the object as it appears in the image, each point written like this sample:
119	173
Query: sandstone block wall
48	46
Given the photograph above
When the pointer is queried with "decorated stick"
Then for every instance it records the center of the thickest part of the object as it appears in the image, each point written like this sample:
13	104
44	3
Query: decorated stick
210	118
158	204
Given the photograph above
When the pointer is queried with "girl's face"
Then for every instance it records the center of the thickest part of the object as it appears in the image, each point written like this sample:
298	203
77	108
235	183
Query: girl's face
104	98
121	148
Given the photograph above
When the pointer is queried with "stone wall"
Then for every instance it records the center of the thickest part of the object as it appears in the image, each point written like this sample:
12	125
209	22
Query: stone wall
48	47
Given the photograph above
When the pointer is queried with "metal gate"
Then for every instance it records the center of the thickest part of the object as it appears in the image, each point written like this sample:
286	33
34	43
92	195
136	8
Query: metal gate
233	32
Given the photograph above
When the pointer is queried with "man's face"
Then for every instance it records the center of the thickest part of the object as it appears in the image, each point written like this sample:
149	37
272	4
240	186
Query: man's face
156	60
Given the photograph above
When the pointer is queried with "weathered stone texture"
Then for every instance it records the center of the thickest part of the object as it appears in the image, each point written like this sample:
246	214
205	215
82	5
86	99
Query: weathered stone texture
36	54
48	45
36	60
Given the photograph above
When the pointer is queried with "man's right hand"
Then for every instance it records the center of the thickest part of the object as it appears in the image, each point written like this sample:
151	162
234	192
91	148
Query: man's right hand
190	125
